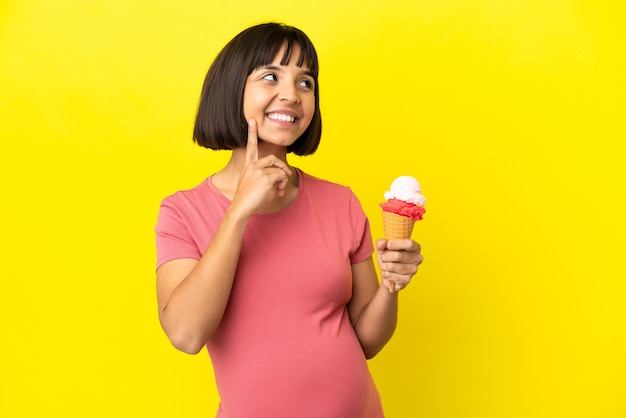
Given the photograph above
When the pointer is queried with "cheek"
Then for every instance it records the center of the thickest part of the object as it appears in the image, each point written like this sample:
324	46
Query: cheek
251	103
246	113
310	111
251	112
246	105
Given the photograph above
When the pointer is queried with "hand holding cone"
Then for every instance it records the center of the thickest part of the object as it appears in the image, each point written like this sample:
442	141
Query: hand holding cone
404	206
396	227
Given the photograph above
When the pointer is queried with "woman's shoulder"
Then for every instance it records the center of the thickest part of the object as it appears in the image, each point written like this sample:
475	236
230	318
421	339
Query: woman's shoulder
326	192
322	185
188	194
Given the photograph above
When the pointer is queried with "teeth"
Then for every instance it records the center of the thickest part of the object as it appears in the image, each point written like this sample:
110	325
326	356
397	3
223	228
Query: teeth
281	117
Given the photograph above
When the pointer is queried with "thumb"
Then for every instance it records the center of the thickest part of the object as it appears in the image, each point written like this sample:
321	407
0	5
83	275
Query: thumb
381	244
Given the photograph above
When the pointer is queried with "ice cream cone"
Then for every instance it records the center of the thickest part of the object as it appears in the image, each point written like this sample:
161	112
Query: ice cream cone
404	205
396	227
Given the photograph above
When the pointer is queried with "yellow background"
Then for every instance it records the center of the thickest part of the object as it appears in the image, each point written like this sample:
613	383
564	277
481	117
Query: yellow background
510	113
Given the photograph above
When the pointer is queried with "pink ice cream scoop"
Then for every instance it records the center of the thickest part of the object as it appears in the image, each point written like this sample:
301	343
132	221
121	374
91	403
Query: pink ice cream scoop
405	198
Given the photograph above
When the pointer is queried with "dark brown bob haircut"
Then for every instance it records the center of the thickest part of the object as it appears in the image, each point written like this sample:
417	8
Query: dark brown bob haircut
220	122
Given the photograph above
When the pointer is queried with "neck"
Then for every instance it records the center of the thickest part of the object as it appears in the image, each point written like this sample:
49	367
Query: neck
238	156
227	178
235	165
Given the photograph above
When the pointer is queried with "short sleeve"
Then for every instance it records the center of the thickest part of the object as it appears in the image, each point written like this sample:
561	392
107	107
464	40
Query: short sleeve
362	235
173	238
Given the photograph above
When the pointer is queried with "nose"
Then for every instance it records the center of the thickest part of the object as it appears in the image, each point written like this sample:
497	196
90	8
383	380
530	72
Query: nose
289	93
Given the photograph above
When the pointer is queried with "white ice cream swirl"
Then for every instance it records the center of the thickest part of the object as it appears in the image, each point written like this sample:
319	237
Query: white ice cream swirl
407	189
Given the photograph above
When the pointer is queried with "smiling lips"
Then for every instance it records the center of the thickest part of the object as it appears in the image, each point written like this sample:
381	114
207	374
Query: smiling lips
281	117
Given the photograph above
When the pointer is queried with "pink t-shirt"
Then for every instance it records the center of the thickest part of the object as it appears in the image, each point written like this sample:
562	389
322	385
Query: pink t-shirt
285	346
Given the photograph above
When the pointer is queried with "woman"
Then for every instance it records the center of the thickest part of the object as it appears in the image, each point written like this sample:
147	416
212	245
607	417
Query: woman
267	266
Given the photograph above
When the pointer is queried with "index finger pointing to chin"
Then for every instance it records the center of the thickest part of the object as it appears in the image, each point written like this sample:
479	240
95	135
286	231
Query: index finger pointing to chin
252	148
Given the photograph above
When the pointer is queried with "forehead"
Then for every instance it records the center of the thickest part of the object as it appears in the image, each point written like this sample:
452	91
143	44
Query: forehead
290	56
286	51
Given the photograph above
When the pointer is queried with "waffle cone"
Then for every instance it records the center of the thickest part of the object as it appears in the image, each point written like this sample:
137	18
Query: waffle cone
397	226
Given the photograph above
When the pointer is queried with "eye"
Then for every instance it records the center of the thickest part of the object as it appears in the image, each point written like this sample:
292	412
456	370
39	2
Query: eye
270	77
307	83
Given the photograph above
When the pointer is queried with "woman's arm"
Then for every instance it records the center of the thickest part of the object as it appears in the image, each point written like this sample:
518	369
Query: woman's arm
193	294
373	310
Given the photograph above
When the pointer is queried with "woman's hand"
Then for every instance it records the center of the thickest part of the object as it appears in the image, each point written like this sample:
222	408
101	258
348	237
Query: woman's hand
260	178
398	261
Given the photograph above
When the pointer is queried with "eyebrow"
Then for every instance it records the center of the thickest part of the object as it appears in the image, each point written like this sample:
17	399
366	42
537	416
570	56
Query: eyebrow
275	68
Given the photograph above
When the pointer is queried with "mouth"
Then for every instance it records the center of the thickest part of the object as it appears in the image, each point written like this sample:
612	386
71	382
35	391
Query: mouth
281	117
